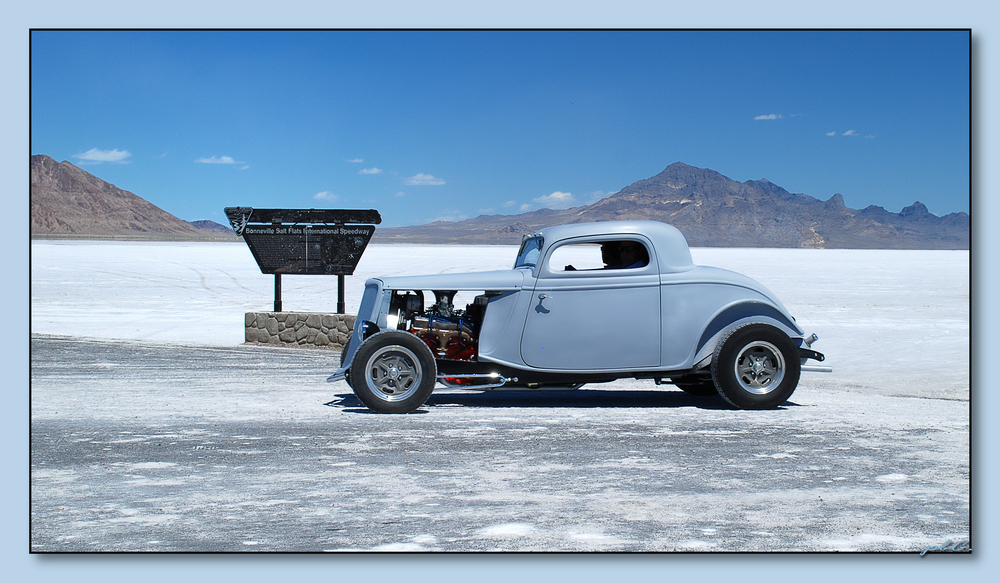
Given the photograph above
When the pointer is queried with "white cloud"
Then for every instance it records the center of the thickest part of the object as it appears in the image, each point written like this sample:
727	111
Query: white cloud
400	194
560	200
355	160
770	116
326	195
370	171
555	200
218	160
423	180
95	156
850	133
510	203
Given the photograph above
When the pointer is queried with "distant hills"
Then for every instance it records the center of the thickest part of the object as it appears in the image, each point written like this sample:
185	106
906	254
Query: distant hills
709	208
713	210
67	202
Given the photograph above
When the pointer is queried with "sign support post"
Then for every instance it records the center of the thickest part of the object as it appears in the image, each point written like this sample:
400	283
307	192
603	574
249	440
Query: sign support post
277	292
340	294
277	283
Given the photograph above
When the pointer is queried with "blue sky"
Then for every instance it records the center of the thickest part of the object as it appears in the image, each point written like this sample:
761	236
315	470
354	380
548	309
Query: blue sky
426	125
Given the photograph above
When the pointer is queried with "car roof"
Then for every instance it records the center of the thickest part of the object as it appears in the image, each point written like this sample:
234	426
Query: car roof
669	244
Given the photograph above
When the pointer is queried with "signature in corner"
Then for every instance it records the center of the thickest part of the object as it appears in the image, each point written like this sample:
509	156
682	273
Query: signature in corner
949	546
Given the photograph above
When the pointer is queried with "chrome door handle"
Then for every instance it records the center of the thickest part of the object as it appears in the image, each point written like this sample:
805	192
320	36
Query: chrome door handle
543	296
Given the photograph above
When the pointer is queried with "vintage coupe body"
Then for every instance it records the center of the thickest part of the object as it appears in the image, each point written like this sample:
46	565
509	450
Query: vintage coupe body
584	303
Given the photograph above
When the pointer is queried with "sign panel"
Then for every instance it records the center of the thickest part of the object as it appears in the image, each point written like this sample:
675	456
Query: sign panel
307	249
241	216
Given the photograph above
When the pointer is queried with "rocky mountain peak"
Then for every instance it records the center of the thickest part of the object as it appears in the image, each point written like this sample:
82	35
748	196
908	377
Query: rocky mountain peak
69	201
682	171
837	201
916	210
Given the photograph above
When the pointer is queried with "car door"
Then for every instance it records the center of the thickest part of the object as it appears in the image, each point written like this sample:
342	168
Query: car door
586	313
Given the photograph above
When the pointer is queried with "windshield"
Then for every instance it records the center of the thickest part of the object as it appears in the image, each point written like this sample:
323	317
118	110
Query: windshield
531	246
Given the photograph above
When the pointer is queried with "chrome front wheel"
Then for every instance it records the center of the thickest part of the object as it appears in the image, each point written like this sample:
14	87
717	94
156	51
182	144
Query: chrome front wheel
393	372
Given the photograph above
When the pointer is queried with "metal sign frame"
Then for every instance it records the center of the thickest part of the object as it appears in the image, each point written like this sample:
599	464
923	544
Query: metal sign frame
305	241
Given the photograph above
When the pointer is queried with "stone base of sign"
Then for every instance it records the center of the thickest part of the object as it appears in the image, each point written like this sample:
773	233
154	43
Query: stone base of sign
301	329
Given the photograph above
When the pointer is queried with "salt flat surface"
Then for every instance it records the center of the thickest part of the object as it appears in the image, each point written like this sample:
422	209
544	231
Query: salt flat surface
153	429
890	322
142	446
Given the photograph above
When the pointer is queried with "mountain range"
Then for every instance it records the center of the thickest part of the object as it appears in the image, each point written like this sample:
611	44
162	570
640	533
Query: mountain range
711	210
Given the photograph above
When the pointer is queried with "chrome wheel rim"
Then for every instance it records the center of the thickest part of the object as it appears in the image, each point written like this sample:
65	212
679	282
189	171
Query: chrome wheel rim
760	367
393	373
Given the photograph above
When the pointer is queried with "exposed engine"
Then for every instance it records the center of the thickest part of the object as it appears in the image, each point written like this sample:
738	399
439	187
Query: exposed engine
449	333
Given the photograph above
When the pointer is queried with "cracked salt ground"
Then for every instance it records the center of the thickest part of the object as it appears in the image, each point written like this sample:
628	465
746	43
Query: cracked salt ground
143	443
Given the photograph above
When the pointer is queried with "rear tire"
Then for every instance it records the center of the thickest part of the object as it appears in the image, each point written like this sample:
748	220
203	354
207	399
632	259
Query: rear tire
393	372
756	366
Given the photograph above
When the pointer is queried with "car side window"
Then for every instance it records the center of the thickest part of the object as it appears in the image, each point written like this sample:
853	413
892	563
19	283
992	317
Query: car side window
631	255
598	255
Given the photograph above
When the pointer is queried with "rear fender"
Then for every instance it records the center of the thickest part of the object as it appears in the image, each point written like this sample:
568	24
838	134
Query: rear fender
736	315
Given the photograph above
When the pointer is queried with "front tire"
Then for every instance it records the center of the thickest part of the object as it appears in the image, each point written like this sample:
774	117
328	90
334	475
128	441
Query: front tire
393	372
756	366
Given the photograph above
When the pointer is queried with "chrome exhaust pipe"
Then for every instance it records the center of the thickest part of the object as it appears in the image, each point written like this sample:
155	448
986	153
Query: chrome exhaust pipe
814	368
497	380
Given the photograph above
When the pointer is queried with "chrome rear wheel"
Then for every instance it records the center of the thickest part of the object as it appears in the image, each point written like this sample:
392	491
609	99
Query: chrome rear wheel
756	366
760	367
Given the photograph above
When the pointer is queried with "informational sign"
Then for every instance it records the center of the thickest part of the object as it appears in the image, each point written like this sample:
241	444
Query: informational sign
309	249
305	241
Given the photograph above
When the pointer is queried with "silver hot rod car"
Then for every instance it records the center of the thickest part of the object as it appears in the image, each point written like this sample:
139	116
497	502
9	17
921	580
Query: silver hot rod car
584	303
